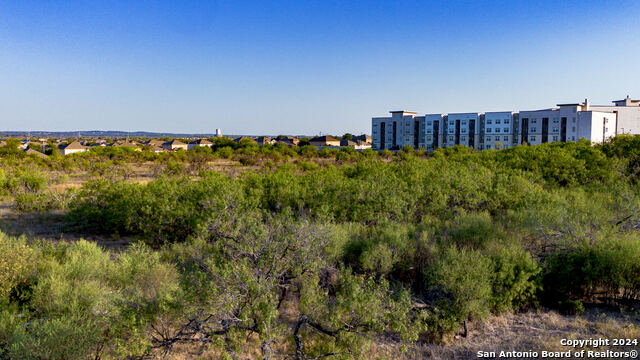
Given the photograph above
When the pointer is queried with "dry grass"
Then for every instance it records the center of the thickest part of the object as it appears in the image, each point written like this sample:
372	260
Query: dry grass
534	331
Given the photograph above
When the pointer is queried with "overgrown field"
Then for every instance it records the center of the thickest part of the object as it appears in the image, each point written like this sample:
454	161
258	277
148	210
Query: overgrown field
312	255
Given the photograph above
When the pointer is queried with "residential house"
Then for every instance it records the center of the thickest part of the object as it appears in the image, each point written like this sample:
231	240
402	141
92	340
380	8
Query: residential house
200	142
364	138
129	144
154	142
174	145
246	138
73	147
348	143
288	140
30	151
261	140
322	141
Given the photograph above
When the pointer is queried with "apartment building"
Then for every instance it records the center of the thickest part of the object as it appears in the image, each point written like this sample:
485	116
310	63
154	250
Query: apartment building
497	130
504	129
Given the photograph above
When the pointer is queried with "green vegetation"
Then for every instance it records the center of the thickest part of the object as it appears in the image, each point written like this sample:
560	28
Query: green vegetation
307	258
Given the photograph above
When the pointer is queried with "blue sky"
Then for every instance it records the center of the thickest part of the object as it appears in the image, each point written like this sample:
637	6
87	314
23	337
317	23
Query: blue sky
303	67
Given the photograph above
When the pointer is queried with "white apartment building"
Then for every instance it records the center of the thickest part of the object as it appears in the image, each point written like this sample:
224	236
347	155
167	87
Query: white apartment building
402	128
434	131
497	130
501	130
462	129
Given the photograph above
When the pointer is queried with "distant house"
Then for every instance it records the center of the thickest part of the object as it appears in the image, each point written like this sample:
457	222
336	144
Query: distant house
36	153
348	143
129	144
288	140
156	149
361	145
261	140
25	144
364	138
244	138
174	145
324	141
199	142
73	147
154	142
358	144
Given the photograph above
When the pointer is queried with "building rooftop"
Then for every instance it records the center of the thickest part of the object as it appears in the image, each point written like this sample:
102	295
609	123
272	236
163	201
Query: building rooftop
74	145
324	138
571	104
402	112
625	102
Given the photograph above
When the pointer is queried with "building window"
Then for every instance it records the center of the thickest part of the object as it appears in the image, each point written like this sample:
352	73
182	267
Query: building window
489	121
573	129
532	138
505	130
606	129
450	138
428	138
533	129
464	122
534	121
497	121
555	129
497	130
463	138
555	138
488	130
555	120
506	121
506	138
574	119
428	123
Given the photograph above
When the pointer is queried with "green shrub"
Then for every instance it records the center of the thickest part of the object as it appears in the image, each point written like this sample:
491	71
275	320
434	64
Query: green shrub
515	280
76	301
44	201
15	263
71	337
32	181
166	209
609	268
474	230
460	281
224	152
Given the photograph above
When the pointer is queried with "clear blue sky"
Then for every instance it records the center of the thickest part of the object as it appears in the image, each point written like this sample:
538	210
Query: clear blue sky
303	67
